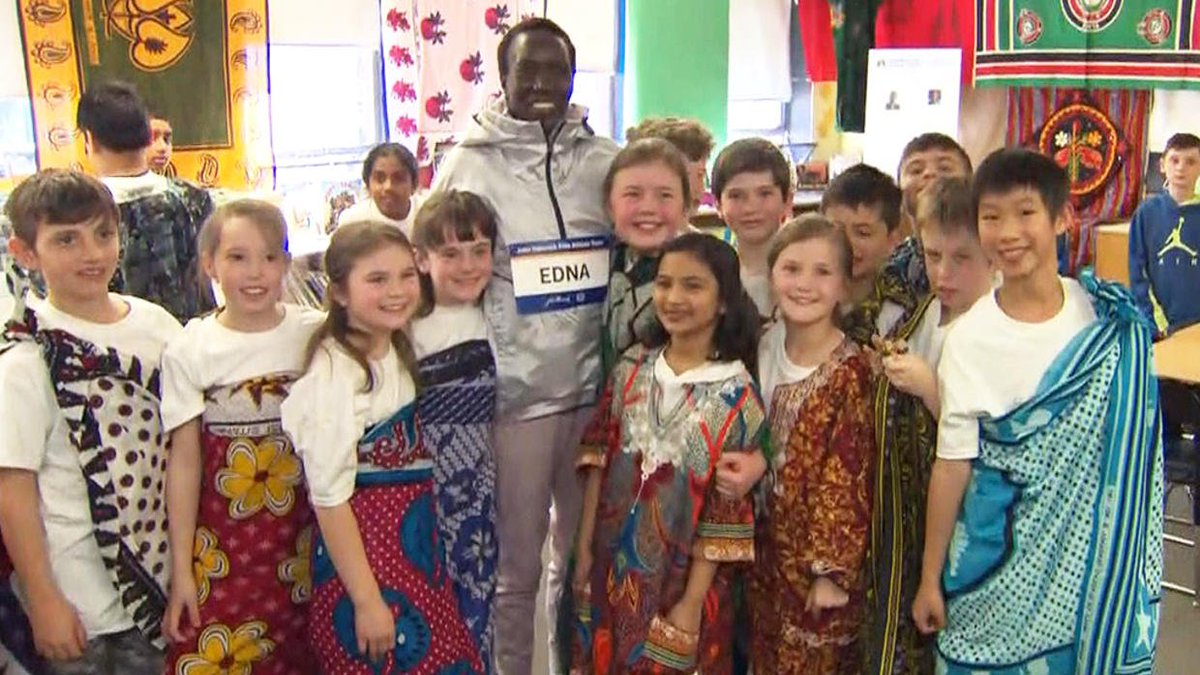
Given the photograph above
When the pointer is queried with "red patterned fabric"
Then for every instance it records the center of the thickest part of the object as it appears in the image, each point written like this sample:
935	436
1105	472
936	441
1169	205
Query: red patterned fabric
927	24
440	67
816	35
1117	195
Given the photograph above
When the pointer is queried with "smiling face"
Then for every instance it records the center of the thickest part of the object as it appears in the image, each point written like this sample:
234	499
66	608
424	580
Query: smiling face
753	206
869	236
687	297
391	187
539	77
76	260
248	268
808	281
647	206
923	167
381	291
1018	233
459	270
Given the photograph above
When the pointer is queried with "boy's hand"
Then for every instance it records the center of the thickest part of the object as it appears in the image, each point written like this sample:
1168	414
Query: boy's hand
738	472
909	373
824	594
929	609
376	629
58	633
183	598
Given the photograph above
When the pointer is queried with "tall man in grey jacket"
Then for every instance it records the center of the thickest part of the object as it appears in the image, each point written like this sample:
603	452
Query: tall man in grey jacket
532	156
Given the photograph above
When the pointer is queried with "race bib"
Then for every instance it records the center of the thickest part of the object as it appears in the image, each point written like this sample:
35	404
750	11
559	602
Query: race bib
559	274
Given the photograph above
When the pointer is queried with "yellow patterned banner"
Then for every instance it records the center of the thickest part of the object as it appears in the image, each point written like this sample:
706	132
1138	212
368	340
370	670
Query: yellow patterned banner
202	64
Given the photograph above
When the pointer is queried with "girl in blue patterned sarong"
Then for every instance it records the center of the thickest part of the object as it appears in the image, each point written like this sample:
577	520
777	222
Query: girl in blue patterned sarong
382	601
453	234
1048	435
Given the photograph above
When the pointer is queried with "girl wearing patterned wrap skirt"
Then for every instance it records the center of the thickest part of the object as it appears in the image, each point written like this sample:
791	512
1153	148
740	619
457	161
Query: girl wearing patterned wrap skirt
382	598
454	233
652	586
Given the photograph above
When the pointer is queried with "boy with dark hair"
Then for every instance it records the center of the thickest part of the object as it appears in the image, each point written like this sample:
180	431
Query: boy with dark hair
928	157
82	449
959	274
1164	242
692	139
161	216
752	181
866	202
1043	542
162	145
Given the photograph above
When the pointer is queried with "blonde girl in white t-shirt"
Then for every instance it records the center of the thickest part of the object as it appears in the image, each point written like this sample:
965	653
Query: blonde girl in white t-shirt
239	517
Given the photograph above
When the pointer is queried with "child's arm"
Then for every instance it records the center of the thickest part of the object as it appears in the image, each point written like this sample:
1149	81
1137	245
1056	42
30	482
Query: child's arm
373	621
594	451
183	502
947	484
1139	277
58	631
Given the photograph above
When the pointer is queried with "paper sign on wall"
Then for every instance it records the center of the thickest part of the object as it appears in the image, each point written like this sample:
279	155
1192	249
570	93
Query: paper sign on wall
909	92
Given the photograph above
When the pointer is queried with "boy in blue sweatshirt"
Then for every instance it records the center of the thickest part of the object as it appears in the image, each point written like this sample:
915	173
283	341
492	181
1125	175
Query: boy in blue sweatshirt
1164	242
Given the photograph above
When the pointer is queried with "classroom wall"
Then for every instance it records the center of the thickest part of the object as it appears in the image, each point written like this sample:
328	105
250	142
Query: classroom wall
12	72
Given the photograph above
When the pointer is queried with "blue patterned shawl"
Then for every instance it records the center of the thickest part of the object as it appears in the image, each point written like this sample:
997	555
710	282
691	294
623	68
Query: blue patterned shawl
1055	563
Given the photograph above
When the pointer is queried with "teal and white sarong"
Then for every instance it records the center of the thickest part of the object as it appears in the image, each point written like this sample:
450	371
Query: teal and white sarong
1055	563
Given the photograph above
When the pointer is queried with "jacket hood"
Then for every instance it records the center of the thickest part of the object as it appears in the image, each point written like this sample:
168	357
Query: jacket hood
494	126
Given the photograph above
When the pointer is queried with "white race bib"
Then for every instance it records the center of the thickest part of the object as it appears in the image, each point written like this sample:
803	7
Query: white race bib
559	274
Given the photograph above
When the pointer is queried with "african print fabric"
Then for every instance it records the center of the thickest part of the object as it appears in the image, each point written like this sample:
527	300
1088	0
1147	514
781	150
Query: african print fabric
1055	563
213	53
110	402
253	545
393	503
1108	44
457	404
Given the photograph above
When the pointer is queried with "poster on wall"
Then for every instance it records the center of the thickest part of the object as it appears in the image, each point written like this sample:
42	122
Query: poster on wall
909	92
202	66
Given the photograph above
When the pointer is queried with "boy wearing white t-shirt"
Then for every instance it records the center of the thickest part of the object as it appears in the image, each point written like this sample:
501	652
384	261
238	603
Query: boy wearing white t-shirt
82	456
1046	447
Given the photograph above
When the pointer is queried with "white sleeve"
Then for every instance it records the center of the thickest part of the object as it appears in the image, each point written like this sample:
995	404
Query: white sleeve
319	415
889	315
962	389
27	408
182	390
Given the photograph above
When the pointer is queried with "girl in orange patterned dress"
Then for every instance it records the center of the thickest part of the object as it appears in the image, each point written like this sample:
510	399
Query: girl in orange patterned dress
806	589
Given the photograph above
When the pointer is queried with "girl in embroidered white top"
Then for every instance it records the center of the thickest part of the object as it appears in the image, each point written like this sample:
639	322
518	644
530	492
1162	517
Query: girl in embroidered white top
656	534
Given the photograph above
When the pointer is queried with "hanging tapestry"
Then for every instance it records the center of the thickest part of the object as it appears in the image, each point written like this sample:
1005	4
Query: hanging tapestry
1099	137
837	35
1114	44
200	65
440	67
905	24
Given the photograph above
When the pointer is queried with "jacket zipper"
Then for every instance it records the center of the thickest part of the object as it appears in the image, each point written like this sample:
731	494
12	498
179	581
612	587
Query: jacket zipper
562	227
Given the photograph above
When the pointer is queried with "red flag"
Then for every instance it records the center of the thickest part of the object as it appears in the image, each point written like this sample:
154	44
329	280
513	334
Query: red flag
928	24
816	35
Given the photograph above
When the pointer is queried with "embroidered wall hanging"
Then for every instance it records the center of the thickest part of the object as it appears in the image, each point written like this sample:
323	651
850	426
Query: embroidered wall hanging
1099	138
202	65
1114	44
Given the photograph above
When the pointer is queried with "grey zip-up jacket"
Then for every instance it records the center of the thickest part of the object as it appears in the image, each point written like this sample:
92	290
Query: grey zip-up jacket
540	188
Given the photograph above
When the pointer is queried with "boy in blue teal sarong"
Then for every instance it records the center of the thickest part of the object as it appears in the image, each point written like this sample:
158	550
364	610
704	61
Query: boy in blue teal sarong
1049	442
